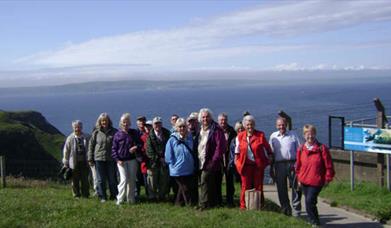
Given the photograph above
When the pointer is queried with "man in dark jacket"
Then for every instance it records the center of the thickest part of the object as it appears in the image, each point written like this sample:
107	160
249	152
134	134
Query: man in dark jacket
229	172
193	128
158	177
140	132
211	147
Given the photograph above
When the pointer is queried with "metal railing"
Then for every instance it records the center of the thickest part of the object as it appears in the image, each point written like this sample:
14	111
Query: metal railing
366	122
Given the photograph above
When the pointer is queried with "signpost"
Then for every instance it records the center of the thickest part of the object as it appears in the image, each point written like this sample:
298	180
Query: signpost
373	140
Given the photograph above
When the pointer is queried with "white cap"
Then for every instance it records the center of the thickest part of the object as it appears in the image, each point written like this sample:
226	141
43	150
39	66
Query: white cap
157	119
193	116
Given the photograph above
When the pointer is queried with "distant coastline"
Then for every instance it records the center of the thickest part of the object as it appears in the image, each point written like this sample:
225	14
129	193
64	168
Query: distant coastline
23	81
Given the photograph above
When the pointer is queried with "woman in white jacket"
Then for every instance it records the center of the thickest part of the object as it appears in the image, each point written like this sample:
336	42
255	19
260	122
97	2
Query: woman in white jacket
75	157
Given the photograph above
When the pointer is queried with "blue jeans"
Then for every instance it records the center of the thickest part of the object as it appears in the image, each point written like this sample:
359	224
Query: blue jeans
106	171
311	199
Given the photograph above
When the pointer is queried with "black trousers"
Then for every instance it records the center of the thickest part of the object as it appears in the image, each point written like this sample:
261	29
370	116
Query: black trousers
185	190
229	175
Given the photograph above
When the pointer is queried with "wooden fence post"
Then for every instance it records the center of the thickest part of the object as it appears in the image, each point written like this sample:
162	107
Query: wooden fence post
380	123
2	171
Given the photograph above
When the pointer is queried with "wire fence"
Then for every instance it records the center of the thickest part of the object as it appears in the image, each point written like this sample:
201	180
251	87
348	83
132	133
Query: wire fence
41	169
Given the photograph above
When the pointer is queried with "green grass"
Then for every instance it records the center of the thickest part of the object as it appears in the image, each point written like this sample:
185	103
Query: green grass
46	204
52	143
366	197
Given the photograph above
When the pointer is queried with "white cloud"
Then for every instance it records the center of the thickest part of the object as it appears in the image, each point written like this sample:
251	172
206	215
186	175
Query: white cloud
322	67
203	40
287	67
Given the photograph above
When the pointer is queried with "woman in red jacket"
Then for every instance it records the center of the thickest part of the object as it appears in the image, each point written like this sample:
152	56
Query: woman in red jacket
314	169
250	158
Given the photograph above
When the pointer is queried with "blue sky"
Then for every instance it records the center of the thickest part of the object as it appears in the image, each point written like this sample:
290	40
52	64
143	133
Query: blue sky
40	39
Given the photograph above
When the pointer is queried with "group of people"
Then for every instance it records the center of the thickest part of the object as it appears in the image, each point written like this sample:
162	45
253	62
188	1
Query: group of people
193	157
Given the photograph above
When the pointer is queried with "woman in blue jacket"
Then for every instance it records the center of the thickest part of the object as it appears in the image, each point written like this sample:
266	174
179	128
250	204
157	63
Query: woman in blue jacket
179	156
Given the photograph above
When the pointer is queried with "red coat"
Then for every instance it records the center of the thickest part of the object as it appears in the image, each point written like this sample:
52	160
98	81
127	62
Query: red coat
259	145
314	167
145	159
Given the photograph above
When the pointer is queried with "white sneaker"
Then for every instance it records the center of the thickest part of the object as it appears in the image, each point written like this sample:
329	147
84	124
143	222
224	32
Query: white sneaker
118	202
296	214
103	201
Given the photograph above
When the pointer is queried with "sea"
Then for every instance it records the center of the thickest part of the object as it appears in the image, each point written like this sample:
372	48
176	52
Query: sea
305	101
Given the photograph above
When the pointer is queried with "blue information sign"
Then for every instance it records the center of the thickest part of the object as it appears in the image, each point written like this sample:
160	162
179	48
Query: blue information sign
368	139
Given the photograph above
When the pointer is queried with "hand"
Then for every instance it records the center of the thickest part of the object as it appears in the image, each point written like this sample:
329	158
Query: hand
133	149
120	162
91	163
163	162
272	175
271	158
299	184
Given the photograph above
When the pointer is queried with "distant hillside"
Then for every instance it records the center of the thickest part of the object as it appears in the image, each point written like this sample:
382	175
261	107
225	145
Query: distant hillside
32	146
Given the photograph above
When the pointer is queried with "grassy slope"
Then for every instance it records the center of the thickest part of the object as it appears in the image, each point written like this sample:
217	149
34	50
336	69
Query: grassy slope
49	138
51	143
366	197
43	204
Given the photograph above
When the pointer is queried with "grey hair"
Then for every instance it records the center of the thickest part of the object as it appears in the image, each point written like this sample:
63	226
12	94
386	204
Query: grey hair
202	110
238	125
282	119
248	118
103	116
223	114
180	122
124	117
77	123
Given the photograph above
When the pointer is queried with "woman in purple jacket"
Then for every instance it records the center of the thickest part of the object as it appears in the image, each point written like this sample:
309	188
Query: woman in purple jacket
125	147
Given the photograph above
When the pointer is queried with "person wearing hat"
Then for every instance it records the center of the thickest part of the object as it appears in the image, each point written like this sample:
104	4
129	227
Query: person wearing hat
194	130
193	125
157	170
75	158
